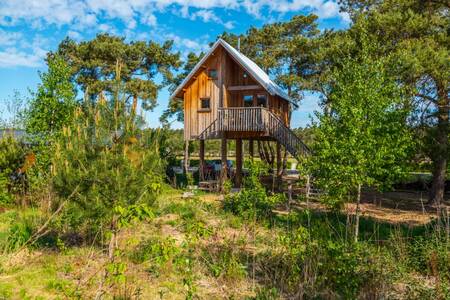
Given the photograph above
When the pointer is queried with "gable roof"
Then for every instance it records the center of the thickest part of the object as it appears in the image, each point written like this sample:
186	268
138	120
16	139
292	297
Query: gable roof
252	68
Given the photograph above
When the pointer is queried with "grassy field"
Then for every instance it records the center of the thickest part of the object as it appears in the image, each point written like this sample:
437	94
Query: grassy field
193	249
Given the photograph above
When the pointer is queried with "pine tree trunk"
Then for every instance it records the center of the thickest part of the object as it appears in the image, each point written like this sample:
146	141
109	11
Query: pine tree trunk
358	201
441	149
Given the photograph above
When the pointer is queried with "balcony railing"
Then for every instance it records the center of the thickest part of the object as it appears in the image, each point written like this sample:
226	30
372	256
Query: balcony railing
241	119
256	119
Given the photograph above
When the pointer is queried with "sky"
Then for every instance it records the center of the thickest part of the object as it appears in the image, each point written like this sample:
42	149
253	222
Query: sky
31	28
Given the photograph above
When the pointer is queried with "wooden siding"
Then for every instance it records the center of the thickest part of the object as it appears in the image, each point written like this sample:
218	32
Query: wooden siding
229	73
195	119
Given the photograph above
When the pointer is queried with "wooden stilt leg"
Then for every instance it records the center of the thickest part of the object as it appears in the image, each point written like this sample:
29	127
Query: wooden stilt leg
238	163
279	165
223	170
186	157
202	160
251	149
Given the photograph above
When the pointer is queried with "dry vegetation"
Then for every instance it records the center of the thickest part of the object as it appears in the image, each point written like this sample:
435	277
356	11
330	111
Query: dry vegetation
193	249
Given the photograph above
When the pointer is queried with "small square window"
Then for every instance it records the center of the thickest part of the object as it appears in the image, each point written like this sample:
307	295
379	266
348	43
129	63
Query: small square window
205	103
212	73
261	100
248	100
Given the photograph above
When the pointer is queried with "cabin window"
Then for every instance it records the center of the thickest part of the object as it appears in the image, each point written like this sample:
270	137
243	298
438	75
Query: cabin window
245	75
205	103
212	73
248	100
261	100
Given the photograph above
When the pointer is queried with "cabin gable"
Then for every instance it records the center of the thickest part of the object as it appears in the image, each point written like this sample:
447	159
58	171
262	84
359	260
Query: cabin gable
203	88
223	80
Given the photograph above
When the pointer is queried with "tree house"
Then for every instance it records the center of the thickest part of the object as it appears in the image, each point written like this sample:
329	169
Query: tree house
228	96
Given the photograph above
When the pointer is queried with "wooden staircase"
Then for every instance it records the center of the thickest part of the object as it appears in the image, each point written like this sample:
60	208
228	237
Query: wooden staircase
211	132
256	119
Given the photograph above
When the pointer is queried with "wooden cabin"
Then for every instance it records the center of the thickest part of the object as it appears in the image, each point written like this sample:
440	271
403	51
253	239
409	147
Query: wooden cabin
227	96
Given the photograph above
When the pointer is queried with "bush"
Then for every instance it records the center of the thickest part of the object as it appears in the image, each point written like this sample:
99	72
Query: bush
157	252
21	229
12	168
430	256
252	201
104	164
224	261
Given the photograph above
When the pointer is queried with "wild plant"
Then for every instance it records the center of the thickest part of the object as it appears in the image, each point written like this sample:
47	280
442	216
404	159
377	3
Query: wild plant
252	201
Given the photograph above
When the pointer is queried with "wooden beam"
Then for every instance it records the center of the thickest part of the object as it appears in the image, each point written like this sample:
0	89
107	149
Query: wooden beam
244	87
238	175
279	165
221	79
223	170
202	160
186	157
251	149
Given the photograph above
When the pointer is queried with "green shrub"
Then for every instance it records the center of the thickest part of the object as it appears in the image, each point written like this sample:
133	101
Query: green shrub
265	293
252	201
5	197
12	159
157	252
430	256
104	165
20	231
224	261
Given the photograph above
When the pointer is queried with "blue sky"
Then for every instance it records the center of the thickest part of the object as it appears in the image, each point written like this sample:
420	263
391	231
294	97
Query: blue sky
31	28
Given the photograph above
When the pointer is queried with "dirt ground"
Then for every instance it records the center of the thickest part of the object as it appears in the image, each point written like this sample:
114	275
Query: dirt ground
401	207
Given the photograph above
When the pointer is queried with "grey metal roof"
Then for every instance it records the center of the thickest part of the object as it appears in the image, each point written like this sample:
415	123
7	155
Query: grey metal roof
251	67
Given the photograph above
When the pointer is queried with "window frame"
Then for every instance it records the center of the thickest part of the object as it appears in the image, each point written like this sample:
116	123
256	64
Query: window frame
244	101
205	109
266	100
214	71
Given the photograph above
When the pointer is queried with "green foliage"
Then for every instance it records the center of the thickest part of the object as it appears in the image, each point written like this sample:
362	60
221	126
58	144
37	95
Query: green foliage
285	50
12	168
52	106
252	200
93	65
430	257
157	253
266	293
5	197
21	229
224	261
415	44
175	106
108	170
363	139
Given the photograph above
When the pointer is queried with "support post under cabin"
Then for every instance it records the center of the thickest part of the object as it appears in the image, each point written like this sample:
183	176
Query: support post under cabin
223	170
238	175
202	160
279	165
251	149
186	157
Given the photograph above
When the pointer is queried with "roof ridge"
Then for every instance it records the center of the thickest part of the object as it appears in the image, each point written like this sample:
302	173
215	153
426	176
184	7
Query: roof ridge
249	65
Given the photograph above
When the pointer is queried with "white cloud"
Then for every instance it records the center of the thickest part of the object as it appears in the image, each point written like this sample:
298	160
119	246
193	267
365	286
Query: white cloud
85	13
9	38
11	57
91	16
186	45
148	19
207	15
75	35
